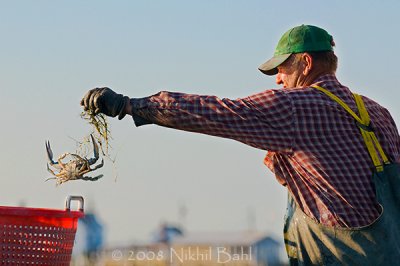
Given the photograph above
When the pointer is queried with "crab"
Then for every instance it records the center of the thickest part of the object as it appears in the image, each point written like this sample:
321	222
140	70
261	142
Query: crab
75	168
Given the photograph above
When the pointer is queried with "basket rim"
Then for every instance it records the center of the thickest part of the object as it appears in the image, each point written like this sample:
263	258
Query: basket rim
29	211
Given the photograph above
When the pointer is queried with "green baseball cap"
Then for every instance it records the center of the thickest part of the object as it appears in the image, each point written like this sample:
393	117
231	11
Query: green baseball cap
300	39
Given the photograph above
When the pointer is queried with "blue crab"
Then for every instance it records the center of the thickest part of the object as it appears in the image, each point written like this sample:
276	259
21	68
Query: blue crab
75	168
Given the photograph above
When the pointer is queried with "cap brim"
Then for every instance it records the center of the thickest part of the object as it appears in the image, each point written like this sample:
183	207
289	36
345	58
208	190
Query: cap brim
270	67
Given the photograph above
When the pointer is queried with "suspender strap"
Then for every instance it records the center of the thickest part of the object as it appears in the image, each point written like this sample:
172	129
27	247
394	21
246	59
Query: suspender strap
370	135
363	122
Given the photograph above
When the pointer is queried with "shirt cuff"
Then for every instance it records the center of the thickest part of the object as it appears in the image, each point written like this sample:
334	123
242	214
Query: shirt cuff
138	120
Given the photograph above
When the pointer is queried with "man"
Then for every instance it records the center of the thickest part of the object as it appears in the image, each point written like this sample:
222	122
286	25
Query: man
330	159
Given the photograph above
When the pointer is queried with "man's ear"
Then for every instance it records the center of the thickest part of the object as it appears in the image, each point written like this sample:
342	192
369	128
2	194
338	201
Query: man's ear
308	63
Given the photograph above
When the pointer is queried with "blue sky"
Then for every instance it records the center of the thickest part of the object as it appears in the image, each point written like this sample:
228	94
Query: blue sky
52	52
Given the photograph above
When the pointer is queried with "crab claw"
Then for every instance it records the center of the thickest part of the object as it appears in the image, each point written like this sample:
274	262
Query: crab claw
49	153
95	151
100	165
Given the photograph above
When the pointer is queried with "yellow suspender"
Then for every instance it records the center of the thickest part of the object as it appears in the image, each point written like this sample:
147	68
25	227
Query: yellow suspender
363	123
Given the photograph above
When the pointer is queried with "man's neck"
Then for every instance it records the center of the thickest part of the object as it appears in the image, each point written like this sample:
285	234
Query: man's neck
310	79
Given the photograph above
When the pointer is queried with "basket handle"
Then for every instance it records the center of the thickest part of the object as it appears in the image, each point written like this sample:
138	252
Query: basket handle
71	198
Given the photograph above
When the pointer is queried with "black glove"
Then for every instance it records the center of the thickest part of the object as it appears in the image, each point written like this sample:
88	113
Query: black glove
106	101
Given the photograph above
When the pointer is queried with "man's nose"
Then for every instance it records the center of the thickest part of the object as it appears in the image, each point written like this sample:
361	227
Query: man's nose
279	79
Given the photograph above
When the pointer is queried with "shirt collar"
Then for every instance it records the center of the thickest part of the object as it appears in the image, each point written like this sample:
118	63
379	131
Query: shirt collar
327	78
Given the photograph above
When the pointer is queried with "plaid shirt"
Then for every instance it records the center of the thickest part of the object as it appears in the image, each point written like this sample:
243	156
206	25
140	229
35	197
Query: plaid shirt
314	147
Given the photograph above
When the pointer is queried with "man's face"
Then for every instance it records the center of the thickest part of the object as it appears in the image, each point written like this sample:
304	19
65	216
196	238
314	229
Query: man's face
290	73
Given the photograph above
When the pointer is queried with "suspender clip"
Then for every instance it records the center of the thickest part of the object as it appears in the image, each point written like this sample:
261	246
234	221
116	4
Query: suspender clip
368	128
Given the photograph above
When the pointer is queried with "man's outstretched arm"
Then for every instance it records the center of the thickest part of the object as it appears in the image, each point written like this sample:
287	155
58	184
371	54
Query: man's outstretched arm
262	120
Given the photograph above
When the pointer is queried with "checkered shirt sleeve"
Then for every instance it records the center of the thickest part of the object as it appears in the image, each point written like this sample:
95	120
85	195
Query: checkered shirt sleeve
262	120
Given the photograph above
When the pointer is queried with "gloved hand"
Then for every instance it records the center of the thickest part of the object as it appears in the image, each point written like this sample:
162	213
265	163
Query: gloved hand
106	101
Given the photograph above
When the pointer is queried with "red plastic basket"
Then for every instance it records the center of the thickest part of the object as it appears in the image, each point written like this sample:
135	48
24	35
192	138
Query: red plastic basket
35	236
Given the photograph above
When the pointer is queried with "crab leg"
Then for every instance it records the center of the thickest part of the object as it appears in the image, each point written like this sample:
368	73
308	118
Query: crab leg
62	178
81	173
82	161
84	172
58	177
50	170
62	165
88	178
